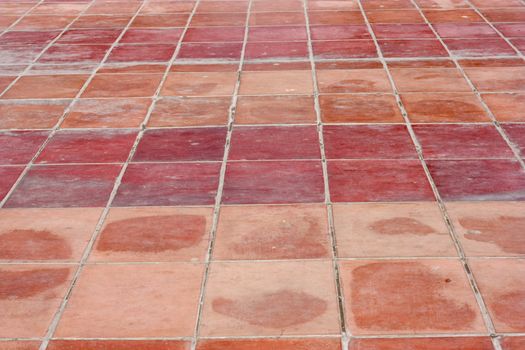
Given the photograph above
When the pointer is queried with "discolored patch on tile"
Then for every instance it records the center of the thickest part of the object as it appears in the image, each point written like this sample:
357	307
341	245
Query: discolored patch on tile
122	85
19	147
190	111
275	110
348	108
429	80
516	134
353	81
31	114
276	83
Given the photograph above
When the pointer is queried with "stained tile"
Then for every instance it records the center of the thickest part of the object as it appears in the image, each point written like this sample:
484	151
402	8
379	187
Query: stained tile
275	110
326	15
352	81
465	30
516	133
72	344
349	108
142	53
20	54
344	49
19	147
274	83
285	5
403	31
452	16
122	85
378	181
267	297
218	19
182	144
8	177
46	86
44	22
28	37
220	51
160	19
339	32
223	6
150	36
438	298
273	182
479	47
429	80
159	7
498	78
394	16
270	343
155	184
199	84
508	107
276	50
176	286
101	22
434	343
89	36
190	111
412	48
57	54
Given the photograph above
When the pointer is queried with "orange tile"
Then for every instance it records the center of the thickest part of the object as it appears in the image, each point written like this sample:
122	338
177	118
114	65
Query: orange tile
507	107
275	110
123	85
199	84
123	344
456	343
271	344
46	86
276	83
190	111
513	343
349	108
31	114
354	80
429	80
20	345
498	78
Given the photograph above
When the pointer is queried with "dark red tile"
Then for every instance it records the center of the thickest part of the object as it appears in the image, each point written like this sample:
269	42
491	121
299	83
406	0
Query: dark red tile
89	36
339	32
481	179
461	141
273	182
403	31
8	177
150	184
104	146
344	49
386	4
368	142
142	53
65	186
210	51
73	344
214	34
275	142
28	37
276	33
412	48
479	47
150	36
218	19
74	54
378	181
276	50
19	147
516	133
182	144
505	15
511	29
465	30
333	17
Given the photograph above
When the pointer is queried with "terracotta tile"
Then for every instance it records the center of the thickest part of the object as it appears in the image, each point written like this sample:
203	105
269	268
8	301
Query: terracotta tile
391	230
142	53
65	186
19	147
444	108
61	9
171	7
123	344
516	132
28	38
276	18
101	21
223	6
267	297
46	86
107	113
20	345
442	4
394	16
506	107
513	343
272	232
156	184
214	34
412	48
89	36
219	51
109	7
475	180
276	50
8	177
44	22
344	49
403	31
452	16
150	36
123	85
452	343
479	47
496	3
91	311
378	181
504	15
273	182
277	33
339	32
359	109
30	295
284	5
274	83
190	111
462	141
51	234
182	144
274	142
160	20
438	298
327	17
502	287
498	78
218	19
270	343
465	30
154	234
511	29
74	54
368	142
388	4
199	84
275	110
353	80
429	80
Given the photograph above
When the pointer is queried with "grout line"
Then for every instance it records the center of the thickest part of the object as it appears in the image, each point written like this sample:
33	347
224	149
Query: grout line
21	17
459	248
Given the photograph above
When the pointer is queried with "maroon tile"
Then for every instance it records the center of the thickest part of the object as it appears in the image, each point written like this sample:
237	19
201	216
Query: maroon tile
150	184
275	142
28	37
8	177
74	54
142	53
378	181
386	4
461	141
465	30
104	146
274	50
479	47
368	142
276	33
214	34
481	179
19	147
150	36
211	50
403	31
516	132
344	49
182	144
65	186
339	32
412	48
89	36
273	182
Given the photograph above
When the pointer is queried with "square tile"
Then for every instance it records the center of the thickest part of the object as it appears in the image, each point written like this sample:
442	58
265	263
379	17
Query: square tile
62	186
403	31
160	19
89	36
274	142
501	285
12	55
271	298
506	107
92	312
31	294
344	49
339	32
465	30
277	33
478	180
218	19
199	84
276	83
275	110
273	182
394	16
46	86
326	15
101	22
214	34
181	144
368	142
269	344
479	47
28	37
285	5
276	50
69	344
516	133
67	54
438	298
190	111
21	345
150	36
472	141
391	230
123	85
429	80
498	78
218	51
27	114
154	234
51	234
72	146
19	147
353	81
513	343
378	181
434	343
276	18
412	48
155	184
489	228
142	53
452	16
347	108
8	177
272	233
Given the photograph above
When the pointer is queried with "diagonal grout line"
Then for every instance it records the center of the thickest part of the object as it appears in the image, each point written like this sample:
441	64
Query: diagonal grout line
345	332
459	248
22	16
222	175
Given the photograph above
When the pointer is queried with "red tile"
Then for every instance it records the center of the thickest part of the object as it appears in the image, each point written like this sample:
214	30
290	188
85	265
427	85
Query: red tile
513	343
274	142
19	54
348	108
20	345
107	146
190	111
429	80
511	29
273	182
412	48
214	34
453	16
276	50
19	147
68	344
183	144
43	114
160	20
452	343
505	15
127	85
465	30
65	186
368	142
284	5
483	179
101	22
479	47
394	16
142	53
218	19
151	36
344	49
506	107
171	7
230	51
74	54
461	141
276	18
46	86
28	37
199	84
150	184
327	17
276	33
339	32
498	78
516	133
223	6
270	344
403	31
89	36
378	181
353	81
8	177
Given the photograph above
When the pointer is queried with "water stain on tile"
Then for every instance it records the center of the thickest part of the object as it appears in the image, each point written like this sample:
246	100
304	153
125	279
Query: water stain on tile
506	232
153	233
510	307
273	310
26	284
401	226
33	245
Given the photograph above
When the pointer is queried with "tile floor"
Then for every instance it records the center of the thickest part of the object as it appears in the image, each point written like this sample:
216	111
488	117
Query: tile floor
262	174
